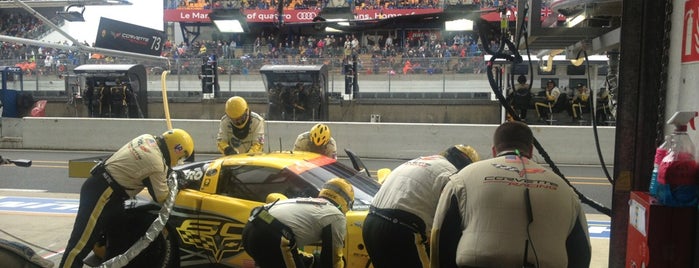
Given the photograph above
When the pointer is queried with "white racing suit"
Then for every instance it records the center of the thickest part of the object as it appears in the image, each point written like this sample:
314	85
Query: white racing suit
397	228
482	219
304	143
250	139
273	239
138	164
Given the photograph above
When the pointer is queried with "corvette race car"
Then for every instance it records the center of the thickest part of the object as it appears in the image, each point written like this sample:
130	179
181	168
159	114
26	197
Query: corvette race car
214	203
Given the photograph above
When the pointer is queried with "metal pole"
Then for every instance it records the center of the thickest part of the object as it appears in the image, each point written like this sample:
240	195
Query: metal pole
230	75
389	82
444	82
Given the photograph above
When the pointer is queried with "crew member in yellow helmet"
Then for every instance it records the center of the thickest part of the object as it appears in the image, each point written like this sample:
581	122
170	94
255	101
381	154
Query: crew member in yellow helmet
317	140
144	162
240	130
275	232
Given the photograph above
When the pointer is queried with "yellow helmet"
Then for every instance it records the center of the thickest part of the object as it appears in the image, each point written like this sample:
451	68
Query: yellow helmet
461	155
179	145
237	110
320	134
340	192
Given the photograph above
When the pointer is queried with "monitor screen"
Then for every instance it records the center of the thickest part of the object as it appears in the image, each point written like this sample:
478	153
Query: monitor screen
575	70
521	68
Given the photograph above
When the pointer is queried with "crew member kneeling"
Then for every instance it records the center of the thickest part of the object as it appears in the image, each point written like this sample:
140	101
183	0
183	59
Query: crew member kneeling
275	232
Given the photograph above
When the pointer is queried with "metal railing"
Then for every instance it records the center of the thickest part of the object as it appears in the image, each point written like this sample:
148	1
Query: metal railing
429	75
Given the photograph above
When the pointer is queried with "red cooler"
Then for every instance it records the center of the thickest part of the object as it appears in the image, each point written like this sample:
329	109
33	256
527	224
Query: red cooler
659	236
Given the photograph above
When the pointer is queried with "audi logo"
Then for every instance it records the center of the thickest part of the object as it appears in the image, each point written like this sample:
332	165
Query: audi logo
306	15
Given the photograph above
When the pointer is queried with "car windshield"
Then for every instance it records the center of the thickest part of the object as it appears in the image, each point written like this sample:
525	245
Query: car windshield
364	187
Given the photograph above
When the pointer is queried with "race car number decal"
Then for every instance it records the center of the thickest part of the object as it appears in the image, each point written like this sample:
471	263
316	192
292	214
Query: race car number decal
193	174
220	239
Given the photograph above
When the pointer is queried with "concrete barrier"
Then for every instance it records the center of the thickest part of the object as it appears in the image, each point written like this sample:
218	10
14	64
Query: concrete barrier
564	144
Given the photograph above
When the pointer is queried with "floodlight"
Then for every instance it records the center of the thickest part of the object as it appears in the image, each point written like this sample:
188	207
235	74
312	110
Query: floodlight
72	16
458	25
229	20
576	20
229	26
336	14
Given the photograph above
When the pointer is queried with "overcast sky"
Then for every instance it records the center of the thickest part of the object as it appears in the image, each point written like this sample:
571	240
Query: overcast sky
146	13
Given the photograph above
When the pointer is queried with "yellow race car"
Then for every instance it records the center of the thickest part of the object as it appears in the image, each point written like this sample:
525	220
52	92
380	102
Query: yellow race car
214	203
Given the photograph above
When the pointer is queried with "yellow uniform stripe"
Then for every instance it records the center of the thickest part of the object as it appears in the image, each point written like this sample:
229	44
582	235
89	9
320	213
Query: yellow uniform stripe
89	228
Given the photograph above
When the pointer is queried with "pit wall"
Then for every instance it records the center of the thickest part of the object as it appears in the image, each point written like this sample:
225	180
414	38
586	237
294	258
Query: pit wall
404	111
564	144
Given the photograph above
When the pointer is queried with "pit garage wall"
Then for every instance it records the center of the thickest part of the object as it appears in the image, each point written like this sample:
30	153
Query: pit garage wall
564	144
443	111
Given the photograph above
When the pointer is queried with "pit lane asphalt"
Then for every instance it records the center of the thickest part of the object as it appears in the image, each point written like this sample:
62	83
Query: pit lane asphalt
38	204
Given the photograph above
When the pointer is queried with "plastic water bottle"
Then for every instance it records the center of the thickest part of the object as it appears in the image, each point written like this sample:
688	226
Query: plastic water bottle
677	174
660	153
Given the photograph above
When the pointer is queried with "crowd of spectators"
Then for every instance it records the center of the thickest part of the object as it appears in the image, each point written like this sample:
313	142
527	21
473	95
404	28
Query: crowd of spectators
32	59
19	24
426	51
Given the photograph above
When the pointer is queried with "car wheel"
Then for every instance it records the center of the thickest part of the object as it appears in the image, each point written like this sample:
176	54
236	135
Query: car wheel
160	253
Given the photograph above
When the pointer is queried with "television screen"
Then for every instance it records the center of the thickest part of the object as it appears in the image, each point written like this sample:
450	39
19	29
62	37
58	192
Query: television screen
521	68
576	70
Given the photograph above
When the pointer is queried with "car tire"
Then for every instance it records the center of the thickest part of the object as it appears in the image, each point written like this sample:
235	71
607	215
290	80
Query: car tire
162	252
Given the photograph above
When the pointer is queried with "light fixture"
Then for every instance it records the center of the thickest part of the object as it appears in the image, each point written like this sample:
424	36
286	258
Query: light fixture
458	25
333	19
335	14
229	20
229	26
72	16
576	20
332	30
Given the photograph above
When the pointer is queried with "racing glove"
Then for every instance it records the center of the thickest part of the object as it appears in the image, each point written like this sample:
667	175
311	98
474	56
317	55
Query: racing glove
229	151
255	148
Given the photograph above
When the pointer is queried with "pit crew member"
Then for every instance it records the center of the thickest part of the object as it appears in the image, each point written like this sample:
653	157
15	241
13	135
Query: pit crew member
144	162
509	211
317	140
396	230
276	231
240	130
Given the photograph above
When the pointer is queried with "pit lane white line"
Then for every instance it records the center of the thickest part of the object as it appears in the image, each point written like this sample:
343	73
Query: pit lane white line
22	190
14	204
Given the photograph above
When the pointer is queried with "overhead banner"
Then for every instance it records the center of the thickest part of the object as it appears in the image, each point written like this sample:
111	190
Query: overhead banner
307	15
117	35
187	15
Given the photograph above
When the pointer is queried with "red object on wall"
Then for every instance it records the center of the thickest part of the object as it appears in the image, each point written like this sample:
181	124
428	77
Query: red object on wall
39	109
659	236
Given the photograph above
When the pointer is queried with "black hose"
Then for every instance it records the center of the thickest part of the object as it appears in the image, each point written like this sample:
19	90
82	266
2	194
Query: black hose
516	58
